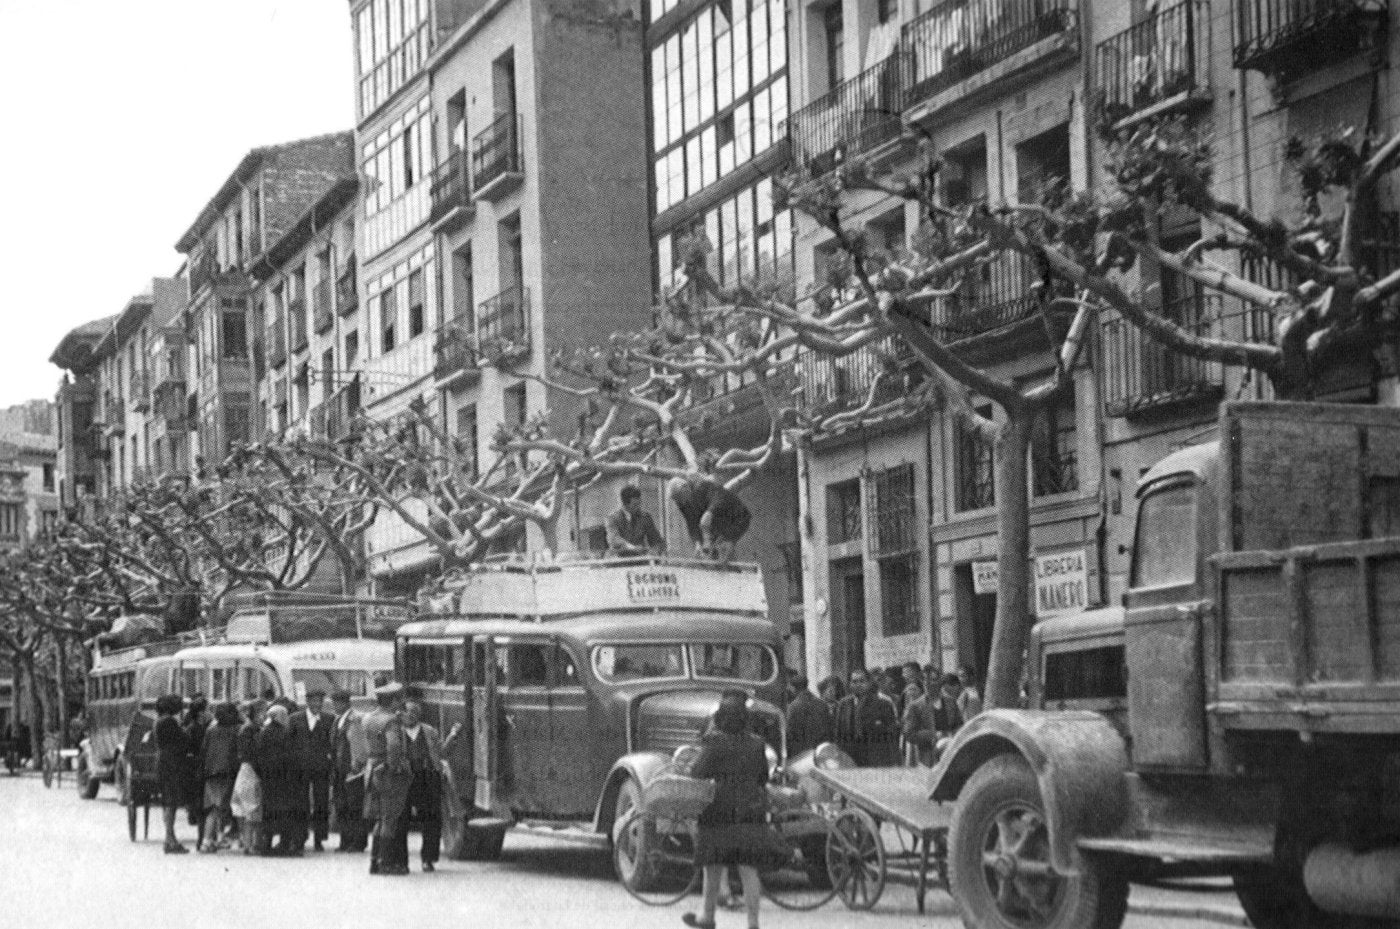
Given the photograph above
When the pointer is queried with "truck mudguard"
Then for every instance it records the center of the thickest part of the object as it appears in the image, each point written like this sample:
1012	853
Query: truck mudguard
1079	761
638	766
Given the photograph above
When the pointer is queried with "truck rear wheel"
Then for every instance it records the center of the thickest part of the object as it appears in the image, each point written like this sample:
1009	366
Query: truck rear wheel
999	871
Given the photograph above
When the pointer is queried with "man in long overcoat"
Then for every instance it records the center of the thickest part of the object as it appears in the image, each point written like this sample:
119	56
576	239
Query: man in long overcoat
276	766
313	740
350	753
389	781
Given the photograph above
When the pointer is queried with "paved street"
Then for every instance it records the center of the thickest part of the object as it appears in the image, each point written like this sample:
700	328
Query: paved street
68	862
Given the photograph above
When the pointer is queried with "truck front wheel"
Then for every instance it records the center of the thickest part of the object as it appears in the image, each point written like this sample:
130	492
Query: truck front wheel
999	871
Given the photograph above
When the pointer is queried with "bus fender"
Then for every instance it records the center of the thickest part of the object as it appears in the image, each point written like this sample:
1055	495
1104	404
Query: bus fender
638	766
1078	758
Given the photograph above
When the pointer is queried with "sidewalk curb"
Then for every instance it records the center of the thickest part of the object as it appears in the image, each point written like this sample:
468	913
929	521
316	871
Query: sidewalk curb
1212	914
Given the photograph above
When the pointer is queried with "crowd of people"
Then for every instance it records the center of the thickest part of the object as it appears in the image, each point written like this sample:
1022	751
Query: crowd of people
883	717
270	776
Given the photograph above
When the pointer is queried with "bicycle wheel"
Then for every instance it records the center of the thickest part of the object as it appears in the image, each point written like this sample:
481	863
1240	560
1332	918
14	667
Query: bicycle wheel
655	863
804	881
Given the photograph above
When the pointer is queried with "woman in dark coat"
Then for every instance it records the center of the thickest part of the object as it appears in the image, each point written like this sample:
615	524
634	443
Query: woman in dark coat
172	765
732	829
196	720
219	763
276	767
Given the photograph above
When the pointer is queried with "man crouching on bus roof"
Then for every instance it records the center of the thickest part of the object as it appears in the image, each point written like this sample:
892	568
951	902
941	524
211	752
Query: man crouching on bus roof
389	778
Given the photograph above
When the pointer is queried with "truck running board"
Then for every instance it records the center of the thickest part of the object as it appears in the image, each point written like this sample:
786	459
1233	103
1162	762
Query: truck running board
1194	850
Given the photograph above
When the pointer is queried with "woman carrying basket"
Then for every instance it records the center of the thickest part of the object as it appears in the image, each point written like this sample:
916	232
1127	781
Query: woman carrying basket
732	830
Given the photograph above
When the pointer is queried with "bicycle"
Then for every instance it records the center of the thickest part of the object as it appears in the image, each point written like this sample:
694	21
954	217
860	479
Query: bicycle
654	859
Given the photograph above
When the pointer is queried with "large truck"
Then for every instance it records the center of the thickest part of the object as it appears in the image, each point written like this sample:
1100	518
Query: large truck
1238	714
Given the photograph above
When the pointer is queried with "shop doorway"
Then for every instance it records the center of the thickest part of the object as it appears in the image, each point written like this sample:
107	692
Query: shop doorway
977	615
847	615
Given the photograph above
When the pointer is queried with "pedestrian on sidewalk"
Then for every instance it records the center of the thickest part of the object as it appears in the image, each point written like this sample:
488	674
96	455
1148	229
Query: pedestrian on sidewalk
276	764
246	803
423	746
733	829
172	766
313	741
389	777
220	765
348	780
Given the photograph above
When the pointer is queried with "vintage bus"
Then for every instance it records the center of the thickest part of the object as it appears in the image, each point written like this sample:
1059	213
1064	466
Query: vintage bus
247	659
570	684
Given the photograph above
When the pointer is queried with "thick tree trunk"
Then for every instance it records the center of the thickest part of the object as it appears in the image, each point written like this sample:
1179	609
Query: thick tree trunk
1013	620
61	651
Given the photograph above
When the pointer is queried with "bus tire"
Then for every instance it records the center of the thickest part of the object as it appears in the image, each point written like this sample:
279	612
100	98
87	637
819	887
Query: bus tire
631	859
999	871
483	839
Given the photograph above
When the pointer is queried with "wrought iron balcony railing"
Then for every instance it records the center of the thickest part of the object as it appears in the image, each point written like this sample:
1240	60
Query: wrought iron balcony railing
496	151
503	325
296	319
1140	374
830	384
342	408
1286	37
1159	60
140	391
859	115
454	351
346	295
276	345
451	186
961	38
322	313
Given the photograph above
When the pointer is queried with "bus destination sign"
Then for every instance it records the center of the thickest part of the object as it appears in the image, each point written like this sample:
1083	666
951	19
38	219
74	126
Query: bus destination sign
651	585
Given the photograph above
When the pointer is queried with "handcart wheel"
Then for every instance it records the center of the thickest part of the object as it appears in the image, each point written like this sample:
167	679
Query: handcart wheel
803	882
654	860
855	856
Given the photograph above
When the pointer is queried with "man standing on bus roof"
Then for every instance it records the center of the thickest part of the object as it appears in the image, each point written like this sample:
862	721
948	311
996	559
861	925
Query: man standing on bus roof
350	752
389	779
631	530
313	741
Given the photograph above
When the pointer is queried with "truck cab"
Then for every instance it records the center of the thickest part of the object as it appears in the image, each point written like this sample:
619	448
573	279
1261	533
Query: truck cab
1238	714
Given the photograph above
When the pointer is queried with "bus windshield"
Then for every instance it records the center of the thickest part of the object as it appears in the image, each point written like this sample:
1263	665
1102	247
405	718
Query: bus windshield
617	663
752	664
328	680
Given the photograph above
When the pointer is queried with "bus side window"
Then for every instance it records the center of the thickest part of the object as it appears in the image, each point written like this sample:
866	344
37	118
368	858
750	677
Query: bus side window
456	665
565	670
529	665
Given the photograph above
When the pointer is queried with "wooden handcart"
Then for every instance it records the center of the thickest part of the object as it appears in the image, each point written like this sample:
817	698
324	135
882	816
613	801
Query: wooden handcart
872	804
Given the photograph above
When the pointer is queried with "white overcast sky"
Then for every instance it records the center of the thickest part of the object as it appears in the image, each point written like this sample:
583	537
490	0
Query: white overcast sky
120	121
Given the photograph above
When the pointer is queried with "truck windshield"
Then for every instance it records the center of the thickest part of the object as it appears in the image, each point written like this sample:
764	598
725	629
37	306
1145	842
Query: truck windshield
752	664
616	663
1165	552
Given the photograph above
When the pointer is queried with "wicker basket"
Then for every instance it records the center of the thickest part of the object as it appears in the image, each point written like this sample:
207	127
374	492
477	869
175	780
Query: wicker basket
675	796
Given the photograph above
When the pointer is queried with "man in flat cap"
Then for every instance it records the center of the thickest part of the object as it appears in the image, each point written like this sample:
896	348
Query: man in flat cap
389	780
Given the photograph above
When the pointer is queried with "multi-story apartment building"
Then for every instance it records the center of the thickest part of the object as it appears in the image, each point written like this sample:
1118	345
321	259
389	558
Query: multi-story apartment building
490	236
305	302
123	417
264	197
29	500
1012	93
717	78
78	449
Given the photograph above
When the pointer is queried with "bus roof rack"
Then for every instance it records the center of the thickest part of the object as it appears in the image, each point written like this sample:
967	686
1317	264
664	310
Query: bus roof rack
543	588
